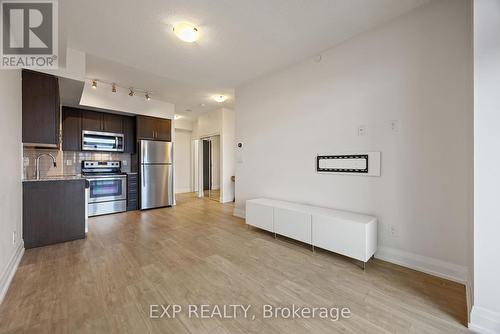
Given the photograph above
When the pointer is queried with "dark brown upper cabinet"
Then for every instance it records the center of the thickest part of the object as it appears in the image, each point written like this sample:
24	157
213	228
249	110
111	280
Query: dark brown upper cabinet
40	109
71	129
112	123
92	120
129	133
164	130
145	127
154	128
99	121
75	120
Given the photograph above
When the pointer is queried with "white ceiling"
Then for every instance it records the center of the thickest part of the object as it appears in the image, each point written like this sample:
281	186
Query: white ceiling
130	42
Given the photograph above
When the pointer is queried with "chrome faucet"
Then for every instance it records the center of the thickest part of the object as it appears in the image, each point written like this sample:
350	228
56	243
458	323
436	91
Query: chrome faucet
37	163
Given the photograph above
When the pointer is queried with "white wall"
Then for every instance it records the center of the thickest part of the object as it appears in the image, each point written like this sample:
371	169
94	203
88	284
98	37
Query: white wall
10	176
209	124
216	162
74	66
485	317
183	124
228	153
182	161
195	158
416	69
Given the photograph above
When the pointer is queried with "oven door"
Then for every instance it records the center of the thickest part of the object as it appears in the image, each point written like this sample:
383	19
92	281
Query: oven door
109	188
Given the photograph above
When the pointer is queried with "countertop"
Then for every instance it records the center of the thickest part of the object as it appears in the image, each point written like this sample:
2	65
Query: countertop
56	178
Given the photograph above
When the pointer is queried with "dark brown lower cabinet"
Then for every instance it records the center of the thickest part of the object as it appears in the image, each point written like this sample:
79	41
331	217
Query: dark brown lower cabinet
53	211
132	192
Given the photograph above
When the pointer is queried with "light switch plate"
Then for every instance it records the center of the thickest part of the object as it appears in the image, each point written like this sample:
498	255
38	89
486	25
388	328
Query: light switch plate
361	131
394	125
124	163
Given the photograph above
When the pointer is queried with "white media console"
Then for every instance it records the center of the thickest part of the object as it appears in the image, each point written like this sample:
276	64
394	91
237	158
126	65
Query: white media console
350	234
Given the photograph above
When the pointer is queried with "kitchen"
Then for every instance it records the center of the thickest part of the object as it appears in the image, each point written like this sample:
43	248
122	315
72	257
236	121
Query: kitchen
80	162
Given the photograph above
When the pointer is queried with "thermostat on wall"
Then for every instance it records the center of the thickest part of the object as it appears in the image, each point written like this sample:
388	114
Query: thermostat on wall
356	163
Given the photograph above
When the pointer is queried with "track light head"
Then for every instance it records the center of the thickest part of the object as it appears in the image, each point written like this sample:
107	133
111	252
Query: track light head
113	88
94	84
148	97
131	92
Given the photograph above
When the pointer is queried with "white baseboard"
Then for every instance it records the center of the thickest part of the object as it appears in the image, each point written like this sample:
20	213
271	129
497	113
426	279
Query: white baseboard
10	270
484	321
428	265
239	213
469	297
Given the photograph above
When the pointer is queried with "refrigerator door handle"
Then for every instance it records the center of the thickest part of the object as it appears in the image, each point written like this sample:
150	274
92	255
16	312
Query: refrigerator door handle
142	174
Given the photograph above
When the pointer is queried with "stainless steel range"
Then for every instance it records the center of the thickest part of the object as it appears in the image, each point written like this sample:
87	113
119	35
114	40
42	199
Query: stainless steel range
107	187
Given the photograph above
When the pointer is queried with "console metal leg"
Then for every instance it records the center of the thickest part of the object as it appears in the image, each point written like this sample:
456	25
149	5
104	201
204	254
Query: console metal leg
275	235
364	265
313	250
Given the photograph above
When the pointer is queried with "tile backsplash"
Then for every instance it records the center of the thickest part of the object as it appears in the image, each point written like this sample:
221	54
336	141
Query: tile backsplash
68	162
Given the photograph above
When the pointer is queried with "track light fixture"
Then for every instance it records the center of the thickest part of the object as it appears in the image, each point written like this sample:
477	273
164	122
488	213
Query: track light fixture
115	86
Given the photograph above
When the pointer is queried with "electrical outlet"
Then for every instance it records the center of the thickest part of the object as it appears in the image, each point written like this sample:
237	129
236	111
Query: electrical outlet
394	125
393	231
14	235
361	130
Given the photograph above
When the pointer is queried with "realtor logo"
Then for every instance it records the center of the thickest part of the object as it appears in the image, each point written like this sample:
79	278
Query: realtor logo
29	34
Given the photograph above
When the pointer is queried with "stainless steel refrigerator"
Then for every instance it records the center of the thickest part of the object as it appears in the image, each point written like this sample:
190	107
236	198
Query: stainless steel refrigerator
156	174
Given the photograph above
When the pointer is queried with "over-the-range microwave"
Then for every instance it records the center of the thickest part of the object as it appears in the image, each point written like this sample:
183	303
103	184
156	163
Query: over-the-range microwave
102	141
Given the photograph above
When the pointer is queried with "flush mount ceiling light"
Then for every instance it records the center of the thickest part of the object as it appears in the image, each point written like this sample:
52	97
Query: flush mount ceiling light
219	98
186	32
94	84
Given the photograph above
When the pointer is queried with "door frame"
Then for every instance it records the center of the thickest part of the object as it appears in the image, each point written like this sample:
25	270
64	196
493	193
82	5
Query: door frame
200	193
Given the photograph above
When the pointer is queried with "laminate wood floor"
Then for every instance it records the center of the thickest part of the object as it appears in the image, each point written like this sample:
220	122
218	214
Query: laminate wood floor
198	253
